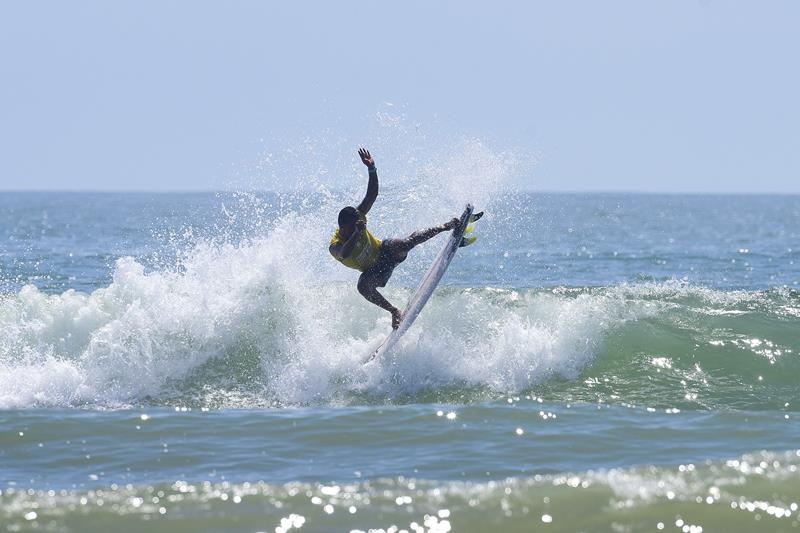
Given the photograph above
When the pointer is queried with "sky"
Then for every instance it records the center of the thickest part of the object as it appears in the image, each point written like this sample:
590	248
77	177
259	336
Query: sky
669	96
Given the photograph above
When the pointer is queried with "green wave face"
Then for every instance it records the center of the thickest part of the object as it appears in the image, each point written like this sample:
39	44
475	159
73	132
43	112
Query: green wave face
699	349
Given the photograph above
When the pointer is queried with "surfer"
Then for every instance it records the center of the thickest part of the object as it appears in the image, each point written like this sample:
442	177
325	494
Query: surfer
354	246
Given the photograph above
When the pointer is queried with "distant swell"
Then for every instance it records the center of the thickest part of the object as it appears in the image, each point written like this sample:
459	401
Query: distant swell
756	491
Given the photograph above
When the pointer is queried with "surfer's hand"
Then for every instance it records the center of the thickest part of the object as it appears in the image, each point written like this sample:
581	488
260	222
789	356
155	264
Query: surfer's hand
366	158
452	224
396	317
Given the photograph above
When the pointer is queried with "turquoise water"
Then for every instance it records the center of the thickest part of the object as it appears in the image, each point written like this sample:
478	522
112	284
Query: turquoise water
190	362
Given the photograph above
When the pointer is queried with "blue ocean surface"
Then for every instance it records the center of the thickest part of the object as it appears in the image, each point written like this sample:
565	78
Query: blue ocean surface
594	362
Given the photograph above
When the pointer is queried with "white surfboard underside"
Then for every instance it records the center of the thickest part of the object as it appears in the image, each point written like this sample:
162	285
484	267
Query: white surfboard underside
426	286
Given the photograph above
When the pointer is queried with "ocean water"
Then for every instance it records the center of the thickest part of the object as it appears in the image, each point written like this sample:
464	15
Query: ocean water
595	362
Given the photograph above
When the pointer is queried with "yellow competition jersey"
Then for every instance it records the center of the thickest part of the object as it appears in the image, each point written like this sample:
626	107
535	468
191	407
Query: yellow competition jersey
365	252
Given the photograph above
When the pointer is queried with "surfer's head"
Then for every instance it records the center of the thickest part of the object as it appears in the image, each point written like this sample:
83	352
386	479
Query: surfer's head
348	217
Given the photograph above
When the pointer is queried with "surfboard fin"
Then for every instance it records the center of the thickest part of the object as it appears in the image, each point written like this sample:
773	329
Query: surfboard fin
468	238
466	241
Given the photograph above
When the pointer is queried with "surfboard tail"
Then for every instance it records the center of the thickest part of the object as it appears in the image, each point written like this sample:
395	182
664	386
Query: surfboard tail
474	217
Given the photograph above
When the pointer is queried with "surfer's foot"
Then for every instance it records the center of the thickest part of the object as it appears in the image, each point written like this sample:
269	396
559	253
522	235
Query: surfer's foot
396	317
452	224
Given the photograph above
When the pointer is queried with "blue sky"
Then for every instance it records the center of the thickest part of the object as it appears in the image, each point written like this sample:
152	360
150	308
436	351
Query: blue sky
683	96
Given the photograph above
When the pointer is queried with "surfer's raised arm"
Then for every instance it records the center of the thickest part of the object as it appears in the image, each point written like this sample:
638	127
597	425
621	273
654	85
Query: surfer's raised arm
372	185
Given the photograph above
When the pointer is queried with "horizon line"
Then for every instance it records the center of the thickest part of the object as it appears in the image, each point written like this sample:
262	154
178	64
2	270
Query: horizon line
531	191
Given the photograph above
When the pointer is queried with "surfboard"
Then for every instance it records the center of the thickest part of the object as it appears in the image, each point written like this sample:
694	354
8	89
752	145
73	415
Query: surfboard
429	281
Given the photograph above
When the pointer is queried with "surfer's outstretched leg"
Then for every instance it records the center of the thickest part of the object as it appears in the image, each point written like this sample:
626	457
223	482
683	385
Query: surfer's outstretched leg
367	288
403	246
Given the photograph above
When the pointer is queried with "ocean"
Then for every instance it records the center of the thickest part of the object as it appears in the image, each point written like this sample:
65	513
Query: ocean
594	362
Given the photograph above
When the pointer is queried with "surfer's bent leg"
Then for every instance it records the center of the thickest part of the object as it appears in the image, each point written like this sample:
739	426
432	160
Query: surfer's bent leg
403	246
367	287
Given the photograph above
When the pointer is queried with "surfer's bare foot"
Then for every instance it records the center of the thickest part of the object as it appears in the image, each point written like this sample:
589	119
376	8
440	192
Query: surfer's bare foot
396	317
452	224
